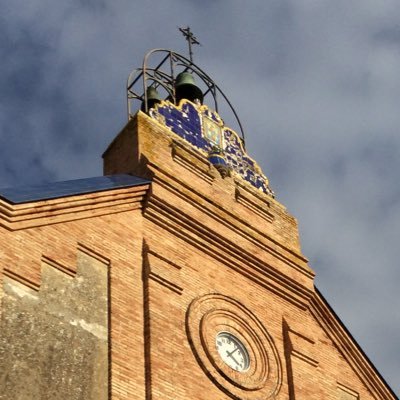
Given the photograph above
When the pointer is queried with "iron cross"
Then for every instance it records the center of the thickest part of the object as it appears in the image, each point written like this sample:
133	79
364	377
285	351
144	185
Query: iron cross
191	40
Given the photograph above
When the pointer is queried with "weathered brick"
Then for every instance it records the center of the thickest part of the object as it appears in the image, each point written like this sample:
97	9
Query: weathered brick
199	254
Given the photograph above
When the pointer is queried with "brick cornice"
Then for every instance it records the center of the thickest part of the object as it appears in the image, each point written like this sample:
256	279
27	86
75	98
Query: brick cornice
349	349
232	220
210	242
146	148
63	209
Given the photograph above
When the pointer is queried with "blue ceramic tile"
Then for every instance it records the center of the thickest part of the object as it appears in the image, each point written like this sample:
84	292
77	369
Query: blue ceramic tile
186	122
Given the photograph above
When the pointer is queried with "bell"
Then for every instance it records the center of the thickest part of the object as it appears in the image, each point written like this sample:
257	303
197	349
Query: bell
185	88
153	97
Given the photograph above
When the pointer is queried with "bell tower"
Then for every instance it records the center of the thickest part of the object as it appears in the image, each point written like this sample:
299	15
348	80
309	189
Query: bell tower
230	306
177	275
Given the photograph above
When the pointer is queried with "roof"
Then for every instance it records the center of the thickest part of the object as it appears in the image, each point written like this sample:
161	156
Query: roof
45	191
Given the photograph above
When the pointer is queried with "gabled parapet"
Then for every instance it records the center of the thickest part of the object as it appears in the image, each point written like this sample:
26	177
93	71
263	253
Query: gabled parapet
227	215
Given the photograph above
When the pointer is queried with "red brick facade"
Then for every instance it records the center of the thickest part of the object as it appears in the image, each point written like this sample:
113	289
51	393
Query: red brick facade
189	256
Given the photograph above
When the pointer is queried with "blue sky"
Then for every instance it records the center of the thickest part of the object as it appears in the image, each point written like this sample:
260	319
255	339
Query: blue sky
316	86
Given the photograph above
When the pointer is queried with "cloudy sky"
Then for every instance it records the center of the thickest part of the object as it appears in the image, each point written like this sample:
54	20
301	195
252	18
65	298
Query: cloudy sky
316	85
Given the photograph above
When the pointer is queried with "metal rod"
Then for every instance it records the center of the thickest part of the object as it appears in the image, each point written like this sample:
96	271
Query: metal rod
165	77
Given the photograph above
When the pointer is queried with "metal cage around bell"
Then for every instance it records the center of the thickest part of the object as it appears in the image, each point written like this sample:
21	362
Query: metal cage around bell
165	74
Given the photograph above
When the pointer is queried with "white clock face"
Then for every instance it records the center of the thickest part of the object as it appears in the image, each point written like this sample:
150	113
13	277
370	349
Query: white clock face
232	351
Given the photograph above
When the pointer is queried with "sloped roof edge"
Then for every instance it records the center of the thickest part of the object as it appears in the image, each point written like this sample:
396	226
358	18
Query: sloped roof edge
349	348
53	190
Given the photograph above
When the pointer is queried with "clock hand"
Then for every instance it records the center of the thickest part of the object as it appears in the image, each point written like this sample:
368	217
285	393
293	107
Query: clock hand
234	359
230	354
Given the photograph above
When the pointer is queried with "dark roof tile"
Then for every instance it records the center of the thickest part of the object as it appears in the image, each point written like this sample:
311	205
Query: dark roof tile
55	190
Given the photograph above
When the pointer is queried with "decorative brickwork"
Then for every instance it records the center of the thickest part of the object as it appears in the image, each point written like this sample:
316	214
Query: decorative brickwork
221	239
210	314
180	261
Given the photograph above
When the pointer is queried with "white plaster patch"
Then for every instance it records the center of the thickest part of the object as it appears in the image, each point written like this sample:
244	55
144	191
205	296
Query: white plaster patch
21	290
95	329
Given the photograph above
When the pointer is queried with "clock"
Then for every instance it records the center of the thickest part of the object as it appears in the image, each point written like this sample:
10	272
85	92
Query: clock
233	347
232	351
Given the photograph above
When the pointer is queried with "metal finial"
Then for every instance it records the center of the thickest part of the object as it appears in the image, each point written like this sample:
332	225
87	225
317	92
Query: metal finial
191	40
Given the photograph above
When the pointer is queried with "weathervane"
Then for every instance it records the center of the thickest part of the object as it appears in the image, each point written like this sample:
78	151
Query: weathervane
191	40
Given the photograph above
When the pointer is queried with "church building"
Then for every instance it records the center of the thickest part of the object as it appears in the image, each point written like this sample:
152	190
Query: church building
177	275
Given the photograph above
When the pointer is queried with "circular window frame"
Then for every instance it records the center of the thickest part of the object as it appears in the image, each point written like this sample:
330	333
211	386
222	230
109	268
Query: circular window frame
213	313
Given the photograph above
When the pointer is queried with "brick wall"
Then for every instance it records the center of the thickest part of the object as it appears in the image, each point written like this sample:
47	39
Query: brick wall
192	256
